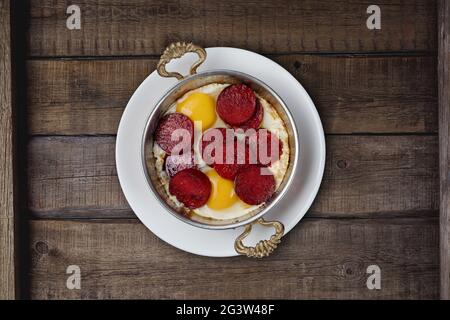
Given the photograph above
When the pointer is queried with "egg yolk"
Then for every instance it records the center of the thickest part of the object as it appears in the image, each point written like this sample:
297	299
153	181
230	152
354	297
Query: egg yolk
199	107
222	192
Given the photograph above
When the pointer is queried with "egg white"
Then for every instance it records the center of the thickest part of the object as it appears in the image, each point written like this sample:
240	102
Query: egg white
271	121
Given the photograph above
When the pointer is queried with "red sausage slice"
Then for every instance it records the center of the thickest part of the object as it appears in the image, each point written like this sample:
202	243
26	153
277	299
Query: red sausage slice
209	137
175	163
225	167
240	160
266	149
166	127
191	187
255	121
252	186
209	154
236	104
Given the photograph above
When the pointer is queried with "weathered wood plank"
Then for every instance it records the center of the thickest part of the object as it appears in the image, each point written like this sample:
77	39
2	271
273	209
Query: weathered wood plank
444	143
74	175
140	27
354	94
364	176
81	96
320	258
8	289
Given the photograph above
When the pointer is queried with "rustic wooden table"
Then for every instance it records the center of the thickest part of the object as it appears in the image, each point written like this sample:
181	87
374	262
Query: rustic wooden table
376	92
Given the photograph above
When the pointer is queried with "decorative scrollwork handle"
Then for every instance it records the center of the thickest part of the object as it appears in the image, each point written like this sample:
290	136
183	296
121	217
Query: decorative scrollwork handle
177	50
264	247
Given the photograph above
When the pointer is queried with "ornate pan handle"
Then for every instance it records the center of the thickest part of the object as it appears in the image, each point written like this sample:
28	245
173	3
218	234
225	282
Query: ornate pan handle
264	247
177	50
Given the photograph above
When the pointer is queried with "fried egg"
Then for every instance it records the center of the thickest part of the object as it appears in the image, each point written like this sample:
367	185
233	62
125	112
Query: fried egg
223	203
200	108
200	105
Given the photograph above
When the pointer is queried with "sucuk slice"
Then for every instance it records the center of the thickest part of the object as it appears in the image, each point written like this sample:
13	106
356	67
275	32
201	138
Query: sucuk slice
252	186
176	163
191	187
229	170
225	168
210	157
236	104
255	121
167	125
268	154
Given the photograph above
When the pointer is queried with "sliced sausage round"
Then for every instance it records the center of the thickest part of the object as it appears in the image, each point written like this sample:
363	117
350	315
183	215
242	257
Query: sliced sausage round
236	104
254	184
234	160
191	187
255	121
175	163
266	146
164	134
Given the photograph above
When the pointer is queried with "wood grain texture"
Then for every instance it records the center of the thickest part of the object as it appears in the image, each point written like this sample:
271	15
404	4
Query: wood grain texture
7	204
444	143
71	177
353	94
320	258
74	175
141	27
379	198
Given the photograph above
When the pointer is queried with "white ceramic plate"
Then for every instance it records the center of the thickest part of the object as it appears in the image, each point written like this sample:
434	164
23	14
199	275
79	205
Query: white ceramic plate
220	243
